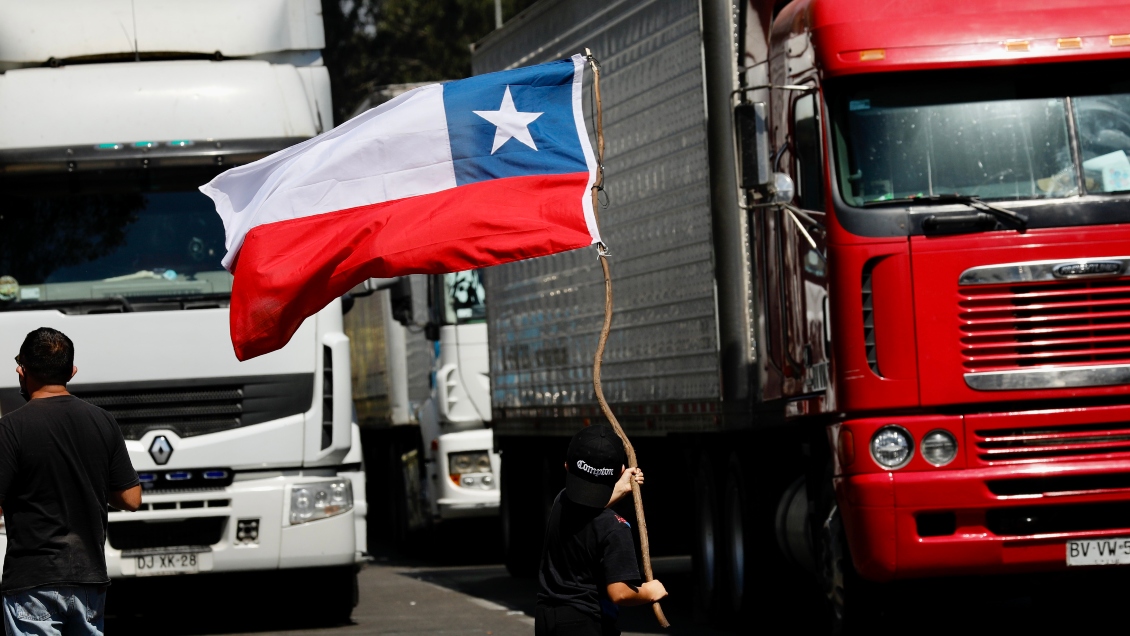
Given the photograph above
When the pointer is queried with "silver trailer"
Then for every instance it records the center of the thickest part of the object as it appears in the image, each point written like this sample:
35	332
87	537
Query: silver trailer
682	369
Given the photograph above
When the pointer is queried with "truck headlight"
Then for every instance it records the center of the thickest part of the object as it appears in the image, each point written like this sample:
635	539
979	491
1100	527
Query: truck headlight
320	500
939	447
891	447
470	469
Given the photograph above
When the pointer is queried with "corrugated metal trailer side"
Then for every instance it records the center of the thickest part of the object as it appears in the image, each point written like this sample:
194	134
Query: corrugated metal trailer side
681	370
663	369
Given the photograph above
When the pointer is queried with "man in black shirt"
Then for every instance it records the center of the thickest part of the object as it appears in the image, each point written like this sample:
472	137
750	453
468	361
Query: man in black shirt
61	461
588	563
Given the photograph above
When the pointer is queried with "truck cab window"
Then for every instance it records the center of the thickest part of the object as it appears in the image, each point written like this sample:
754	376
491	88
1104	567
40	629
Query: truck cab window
464	297
998	149
1103	123
809	161
997	134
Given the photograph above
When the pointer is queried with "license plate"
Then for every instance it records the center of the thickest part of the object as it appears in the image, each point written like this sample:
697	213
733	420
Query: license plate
163	564
1113	551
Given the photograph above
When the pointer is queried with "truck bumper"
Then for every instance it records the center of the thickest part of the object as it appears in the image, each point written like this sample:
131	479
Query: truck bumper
481	500
210	522
969	521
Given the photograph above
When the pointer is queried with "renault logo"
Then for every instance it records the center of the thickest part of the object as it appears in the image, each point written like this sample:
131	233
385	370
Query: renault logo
161	450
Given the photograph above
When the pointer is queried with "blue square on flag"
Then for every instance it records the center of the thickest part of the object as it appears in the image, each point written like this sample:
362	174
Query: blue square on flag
515	123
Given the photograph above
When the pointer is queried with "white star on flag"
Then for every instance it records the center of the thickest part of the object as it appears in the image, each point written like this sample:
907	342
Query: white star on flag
511	123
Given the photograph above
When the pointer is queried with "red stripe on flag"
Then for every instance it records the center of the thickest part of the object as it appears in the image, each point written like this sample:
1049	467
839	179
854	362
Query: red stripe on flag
289	270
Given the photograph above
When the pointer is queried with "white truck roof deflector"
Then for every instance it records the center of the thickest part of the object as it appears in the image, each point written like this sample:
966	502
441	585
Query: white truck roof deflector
31	33
158	101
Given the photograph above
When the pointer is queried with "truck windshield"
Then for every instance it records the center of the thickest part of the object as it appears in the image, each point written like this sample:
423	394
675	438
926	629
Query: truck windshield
109	234
996	135
464	297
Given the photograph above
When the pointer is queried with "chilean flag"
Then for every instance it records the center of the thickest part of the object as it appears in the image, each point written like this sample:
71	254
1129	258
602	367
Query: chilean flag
443	178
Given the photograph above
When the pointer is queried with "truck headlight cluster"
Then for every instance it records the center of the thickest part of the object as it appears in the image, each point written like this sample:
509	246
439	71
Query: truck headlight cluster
939	447
892	447
319	500
471	469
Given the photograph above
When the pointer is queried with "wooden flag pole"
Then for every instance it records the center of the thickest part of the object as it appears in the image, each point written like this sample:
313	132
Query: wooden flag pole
641	521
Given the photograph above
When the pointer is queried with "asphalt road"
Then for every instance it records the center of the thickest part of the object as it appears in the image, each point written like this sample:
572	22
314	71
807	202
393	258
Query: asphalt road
394	599
454	585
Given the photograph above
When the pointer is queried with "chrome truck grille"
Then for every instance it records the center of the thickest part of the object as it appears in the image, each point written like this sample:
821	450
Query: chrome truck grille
1045	333
194	407
1089	441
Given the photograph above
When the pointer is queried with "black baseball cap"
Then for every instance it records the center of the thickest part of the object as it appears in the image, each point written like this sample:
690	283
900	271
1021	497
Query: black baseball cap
593	464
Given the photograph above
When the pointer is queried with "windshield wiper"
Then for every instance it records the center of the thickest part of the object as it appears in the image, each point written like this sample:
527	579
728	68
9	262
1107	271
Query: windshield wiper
1008	218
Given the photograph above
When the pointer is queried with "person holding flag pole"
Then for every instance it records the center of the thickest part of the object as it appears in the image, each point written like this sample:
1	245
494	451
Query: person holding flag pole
443	178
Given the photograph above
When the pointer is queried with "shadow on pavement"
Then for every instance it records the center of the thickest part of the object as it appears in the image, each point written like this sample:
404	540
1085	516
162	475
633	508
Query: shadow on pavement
493	584
455	543
465	557
276	601
212	604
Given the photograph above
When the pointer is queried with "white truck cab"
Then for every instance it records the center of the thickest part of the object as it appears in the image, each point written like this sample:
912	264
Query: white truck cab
110	119
438	450
462	465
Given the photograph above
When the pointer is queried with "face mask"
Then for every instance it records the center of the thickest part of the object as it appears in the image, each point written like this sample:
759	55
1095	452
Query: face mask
23	391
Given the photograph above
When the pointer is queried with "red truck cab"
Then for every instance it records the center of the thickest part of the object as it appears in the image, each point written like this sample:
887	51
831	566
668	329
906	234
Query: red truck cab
969	167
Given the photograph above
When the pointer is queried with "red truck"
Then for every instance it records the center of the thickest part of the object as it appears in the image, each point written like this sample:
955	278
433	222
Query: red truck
915	279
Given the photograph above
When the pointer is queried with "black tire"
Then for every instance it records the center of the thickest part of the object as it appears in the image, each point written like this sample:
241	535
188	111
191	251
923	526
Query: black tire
409	517
853	600
521	531
398	530
736	523
375	444
338	593
706	544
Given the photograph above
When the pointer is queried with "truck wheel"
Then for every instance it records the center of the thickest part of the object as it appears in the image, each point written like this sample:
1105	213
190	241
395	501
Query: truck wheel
852	598
705	540
375	444
398	505
736	517
521	536
338	590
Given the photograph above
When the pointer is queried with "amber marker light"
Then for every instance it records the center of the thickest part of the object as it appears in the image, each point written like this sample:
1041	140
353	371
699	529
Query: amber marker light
1120	40
1069	43
1016	46
872	55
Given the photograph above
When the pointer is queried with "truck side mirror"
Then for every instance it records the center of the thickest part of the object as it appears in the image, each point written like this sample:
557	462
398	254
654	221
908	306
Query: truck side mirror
409	298
784	189
373	285
753	145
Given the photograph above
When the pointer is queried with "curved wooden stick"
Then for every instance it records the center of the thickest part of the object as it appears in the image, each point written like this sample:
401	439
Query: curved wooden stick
641	521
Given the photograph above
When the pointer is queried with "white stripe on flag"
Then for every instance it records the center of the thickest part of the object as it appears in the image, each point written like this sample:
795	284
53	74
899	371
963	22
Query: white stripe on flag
579	63
396	150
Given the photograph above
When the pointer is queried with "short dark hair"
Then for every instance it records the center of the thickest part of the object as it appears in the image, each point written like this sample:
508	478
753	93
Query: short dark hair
48	355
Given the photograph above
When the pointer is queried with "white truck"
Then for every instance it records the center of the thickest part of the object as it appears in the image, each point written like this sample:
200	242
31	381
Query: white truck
435	449
111	115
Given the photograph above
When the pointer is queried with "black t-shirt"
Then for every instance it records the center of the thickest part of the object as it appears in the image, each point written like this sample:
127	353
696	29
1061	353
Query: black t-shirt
59	457
585	550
